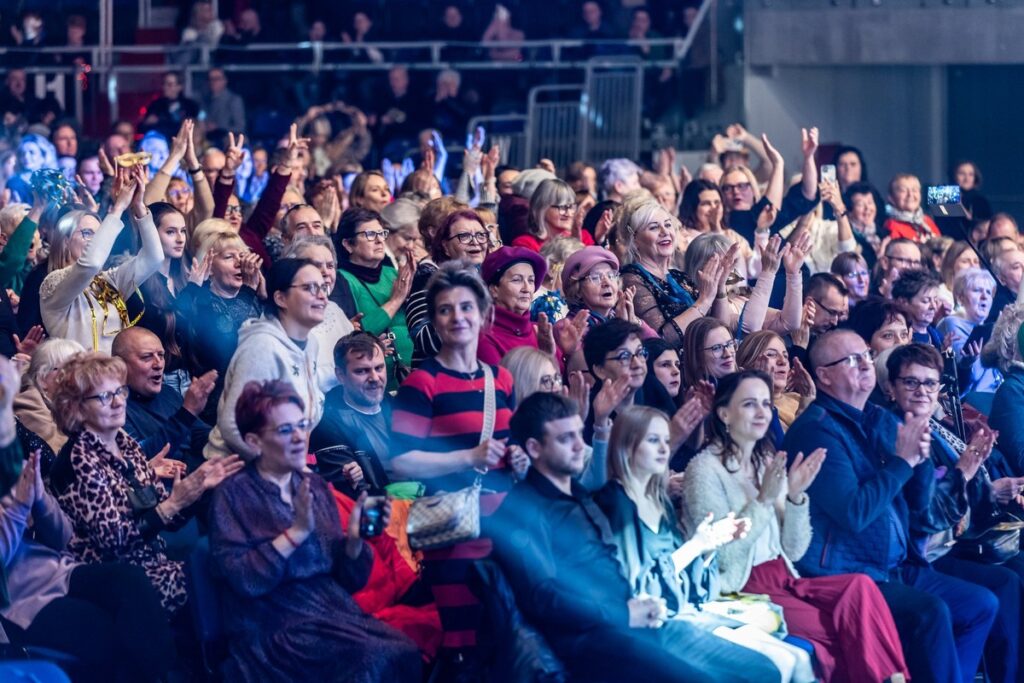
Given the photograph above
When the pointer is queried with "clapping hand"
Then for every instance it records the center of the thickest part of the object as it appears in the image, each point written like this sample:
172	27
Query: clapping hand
711	535
802	473
164	467
977	452
578	389
913	440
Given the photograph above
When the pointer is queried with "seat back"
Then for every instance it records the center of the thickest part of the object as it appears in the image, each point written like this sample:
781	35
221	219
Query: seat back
203	600
32	671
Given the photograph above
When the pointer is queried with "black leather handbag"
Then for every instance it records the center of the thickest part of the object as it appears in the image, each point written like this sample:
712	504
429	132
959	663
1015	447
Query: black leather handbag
999	542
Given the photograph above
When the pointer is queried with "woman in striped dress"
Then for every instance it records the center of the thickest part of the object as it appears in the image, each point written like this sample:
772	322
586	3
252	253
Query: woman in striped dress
438	421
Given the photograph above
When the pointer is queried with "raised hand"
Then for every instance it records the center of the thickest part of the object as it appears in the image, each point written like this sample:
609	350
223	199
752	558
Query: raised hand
139	208
578	389
793	259
123	189
302	504
518	461
913	440
803	471
179	143
808	141
801	336
29	487
252	273
199	392
545	334
105	166
612	394
800	380
234	154
33	338
705	391
709	276
200	270
729	259
977	452
772	478
295	145
489	162
766	219
771	255
604	226
569	337
624	308
711	535
830	193
685	420
164	467
774	158
85	197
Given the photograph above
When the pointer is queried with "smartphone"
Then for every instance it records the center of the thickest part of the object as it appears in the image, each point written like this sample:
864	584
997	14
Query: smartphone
828	173
370	524
943	194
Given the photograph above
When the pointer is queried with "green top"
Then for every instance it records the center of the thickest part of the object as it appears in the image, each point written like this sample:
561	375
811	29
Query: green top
369	297
14	255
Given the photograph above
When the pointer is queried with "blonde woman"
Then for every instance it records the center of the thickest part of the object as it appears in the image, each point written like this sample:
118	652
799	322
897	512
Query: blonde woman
78	299
650	543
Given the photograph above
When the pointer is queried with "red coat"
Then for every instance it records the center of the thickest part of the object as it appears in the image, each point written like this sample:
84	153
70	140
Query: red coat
535	243
902	229
390	578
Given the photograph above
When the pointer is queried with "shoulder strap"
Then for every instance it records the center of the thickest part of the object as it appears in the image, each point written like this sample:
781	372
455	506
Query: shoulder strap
490	403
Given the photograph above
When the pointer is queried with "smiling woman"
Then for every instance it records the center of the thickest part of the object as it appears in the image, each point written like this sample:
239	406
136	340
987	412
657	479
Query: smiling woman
278	346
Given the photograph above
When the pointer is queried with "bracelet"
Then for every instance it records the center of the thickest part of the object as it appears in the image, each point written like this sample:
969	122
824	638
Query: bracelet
719	297
197	169
842	215
290	539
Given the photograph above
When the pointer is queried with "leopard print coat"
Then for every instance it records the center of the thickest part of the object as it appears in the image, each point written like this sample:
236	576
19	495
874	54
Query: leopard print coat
94	495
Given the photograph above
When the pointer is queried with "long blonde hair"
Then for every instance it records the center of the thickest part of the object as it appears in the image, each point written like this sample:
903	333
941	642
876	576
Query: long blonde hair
60	253
628	432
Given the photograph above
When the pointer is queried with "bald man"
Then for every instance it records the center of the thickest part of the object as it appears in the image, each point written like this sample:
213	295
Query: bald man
157	415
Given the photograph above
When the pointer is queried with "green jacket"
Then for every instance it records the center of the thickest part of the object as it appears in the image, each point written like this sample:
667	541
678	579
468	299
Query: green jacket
369	297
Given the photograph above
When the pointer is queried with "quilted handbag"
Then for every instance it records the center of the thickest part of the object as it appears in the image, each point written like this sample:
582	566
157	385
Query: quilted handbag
448	518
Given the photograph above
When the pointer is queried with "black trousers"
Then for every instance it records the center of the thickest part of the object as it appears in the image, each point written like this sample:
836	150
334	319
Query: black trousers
110	621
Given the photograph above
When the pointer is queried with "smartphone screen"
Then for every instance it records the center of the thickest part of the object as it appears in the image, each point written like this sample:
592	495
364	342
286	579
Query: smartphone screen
828	173
943	194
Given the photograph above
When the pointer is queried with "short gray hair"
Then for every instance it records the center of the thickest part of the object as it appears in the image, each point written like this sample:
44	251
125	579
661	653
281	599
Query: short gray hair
615	171
50	354
702	248
966	279
401	213
297	246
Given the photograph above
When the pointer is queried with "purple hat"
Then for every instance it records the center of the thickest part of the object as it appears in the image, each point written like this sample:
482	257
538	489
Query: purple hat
503	258
580	263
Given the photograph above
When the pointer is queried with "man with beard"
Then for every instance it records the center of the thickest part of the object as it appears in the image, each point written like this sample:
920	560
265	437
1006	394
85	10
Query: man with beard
353	437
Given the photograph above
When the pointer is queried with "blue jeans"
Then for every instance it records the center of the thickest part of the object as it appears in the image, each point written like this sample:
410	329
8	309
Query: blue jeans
942	621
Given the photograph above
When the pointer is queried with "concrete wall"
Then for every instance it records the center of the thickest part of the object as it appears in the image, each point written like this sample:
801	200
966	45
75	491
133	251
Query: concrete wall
895	115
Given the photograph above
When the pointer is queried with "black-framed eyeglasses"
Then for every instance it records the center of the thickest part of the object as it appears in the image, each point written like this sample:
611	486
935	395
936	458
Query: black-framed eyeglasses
107	397
371	235
831	312
470	237
930	386
565	209
738	187
289	428
853	360
237	208
313	288
718	350
627	357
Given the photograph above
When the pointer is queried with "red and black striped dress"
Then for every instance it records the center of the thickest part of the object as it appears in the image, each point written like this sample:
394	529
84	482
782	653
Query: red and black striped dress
442	411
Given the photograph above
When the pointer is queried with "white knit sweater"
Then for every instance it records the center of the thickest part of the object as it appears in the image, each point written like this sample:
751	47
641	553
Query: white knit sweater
70	310
709	487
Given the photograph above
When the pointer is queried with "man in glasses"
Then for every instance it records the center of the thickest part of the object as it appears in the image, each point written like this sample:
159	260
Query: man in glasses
615	356
861	503
831	309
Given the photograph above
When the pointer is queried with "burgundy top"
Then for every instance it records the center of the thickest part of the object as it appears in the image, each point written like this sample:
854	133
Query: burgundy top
508	331
262	219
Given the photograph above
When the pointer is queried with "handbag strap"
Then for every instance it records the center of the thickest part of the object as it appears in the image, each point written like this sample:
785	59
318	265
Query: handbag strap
490	403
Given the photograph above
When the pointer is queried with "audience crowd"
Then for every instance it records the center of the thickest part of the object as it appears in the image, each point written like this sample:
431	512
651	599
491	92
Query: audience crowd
692	424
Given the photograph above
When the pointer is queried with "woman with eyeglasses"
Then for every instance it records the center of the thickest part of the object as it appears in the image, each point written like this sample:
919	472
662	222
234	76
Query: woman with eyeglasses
438	426
116	503
708	353
461	236
81	300
591	282
966	503
852	269
369	284
552	212
279	345
667	299
740	472
792	386
290	567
